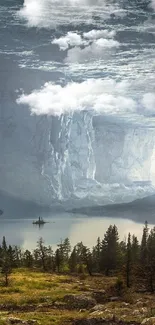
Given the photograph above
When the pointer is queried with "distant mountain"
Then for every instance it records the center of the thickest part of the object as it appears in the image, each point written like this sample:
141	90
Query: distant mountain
138	210
14	207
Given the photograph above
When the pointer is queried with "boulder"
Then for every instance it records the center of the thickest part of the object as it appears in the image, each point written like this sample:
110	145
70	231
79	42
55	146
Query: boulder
136	312
125	304
15	321
89	321
148	321
98	307
139	304
99	296
102	321
114	298
144	310
79	301
96	313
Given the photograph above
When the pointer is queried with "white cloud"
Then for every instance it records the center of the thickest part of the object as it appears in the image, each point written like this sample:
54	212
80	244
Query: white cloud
97	50
88	46
95	34
103	96
153	4
50	13
32	11
71	39
106	97
148	101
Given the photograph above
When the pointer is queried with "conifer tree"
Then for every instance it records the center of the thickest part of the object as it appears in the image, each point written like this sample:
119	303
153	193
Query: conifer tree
6	267
57	260
73	260
128	261
110	250
28	258
151	259
143	265
143	248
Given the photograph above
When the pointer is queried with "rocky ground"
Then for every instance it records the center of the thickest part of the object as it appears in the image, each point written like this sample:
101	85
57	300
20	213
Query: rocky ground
46	299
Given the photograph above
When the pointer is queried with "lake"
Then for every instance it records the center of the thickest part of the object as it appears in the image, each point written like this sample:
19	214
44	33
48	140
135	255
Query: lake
77	227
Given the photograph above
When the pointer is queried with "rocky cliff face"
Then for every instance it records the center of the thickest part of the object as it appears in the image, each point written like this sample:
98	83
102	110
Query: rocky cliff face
80	155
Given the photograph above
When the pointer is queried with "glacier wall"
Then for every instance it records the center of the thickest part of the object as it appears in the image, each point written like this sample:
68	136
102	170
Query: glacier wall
77	155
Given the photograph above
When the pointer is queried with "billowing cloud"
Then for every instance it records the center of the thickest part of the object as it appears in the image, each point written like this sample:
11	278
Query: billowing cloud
89	46
71	39
49	13
153	4
97	50
95	34
148	101
104	96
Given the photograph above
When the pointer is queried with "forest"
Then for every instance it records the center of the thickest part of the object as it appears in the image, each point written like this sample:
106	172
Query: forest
133	262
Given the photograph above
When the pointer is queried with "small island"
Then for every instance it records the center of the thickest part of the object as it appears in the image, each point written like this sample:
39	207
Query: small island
39	222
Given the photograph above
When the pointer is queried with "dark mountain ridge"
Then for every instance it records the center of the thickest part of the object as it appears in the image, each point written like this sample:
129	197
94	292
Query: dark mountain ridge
15	207
138	210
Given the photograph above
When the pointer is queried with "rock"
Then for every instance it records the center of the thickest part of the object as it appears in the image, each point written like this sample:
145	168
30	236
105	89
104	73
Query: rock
15	321
125	304
79	301
107	311
103	321
136	312
142	290
98	307
99	296
82	310
148	321
59	305
89	321
139	304
114	298
96	313
144	310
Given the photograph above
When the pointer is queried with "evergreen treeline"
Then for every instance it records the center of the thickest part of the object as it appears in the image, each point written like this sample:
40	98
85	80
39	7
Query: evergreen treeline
131	259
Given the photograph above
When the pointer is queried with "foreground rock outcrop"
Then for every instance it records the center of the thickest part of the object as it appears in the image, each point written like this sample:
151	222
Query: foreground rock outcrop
82	301
102	321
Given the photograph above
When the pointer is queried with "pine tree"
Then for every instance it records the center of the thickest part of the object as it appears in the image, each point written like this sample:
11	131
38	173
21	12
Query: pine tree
6	267
128	261
143	248
4	245
58	260
143	265
66	247
42	254
96	254
84	257
73	260
110	250
151	259
135	250
28	259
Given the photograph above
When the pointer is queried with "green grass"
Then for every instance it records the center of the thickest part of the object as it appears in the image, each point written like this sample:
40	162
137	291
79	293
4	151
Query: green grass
31	287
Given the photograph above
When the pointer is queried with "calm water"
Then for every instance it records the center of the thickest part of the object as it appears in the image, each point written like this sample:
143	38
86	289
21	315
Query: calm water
78	228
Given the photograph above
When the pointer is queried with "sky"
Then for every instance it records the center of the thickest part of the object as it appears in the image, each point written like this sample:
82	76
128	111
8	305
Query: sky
77	98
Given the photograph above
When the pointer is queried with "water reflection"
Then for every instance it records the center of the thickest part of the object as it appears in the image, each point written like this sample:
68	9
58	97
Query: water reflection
39	225
78	228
